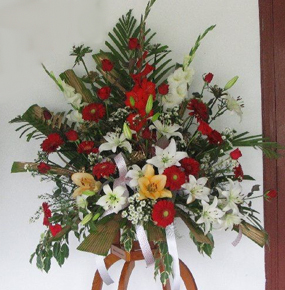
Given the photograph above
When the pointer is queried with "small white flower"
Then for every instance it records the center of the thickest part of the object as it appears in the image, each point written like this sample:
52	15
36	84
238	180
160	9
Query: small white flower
75	116
167	130
134	174
233	196
113	199
233	105
114	140
196	189
166	157
211	215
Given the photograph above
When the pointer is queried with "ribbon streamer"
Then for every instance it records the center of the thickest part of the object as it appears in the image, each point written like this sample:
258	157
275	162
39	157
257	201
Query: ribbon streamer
123	170
144	244
172	248
238	238
103	270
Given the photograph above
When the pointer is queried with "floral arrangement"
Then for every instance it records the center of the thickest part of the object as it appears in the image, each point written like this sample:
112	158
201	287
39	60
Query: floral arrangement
138	150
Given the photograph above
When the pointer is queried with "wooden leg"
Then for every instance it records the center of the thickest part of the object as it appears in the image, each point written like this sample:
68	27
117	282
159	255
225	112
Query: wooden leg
187	277
109	261
125	275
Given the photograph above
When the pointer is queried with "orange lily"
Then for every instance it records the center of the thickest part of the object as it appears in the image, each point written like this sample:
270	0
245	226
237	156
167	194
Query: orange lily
85	181
153	186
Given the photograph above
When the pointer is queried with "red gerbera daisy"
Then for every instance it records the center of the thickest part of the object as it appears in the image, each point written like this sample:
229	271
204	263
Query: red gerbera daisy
215	138
163	213
198	109
47	213
104	169
175	177
93	112
52	142
86	147
190	165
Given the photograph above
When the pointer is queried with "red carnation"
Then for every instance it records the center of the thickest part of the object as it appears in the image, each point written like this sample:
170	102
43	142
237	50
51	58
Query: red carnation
107	65
104	93
47	115
47	213
86	147
204	128
190	165
238	172
134	43
55	229
175	177
93	112
215	138
71	135
163	89
52	142
104	169
208	77
198	109
163	213
136	122
270	194
236	154
43	168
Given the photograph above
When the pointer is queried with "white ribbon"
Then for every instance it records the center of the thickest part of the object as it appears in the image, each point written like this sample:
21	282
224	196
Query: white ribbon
238	238
172	249
101	267
144	244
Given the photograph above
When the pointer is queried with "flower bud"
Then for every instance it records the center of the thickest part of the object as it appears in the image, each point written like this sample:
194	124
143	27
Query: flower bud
149	104
96	216
231	83
132	101
155	117
127	131
87	219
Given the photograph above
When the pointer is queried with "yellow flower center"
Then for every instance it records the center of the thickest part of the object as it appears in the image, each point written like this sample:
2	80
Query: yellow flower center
166	213
175	177
93	111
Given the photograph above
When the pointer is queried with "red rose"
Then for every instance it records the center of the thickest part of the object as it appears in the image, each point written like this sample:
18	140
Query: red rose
208	77
133	43
163	213
163	89
104	169
204	128
86	147
43	168
236	154
52	142
55	229
175	177
47	115
215	138
270	194
238	172
107	65
93	112
47	213
198	109
190	165
71	135
104	93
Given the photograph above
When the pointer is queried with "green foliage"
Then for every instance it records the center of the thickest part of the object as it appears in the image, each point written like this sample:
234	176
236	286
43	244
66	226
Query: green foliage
206	248
127	237
79	52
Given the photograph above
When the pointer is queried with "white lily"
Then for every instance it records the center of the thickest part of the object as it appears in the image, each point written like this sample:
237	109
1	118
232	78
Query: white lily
196	189
135	174
167	130
231	219
211	215
234	196
113	199
233	105
115	140
166	157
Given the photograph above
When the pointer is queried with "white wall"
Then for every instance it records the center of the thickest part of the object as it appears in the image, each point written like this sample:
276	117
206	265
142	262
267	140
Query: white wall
35	31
